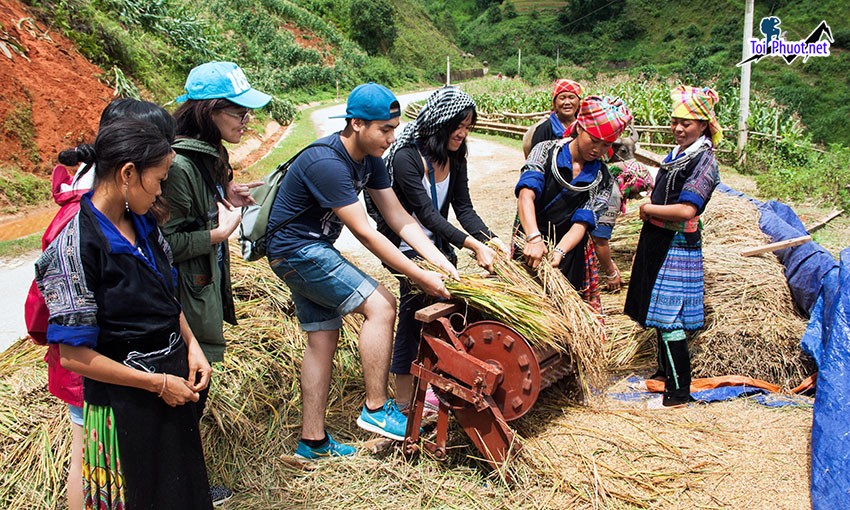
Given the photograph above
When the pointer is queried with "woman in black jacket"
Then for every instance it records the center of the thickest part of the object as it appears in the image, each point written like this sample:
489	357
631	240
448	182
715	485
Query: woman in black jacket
427	165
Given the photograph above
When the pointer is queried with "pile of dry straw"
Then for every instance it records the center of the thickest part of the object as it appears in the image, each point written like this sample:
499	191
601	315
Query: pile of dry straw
751	328
575	457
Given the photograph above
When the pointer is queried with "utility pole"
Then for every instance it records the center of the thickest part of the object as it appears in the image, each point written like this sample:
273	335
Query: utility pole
558	58
745	84
448	70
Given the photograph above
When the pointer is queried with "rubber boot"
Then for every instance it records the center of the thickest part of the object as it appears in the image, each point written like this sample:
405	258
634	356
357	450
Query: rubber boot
677	384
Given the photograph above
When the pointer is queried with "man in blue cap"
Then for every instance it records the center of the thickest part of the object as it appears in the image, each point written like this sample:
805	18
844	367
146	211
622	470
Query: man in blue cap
320	191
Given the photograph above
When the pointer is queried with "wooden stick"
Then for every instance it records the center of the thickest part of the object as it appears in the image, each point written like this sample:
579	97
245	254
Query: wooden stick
435	311
822	223
749	252
652	157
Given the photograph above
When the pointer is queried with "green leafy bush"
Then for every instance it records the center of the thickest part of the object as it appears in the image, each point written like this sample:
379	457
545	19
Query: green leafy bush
282	110
809	175
19	189
373	25
19	124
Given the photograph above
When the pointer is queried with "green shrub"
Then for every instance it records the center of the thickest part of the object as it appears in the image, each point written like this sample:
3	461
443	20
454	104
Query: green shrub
21	189
380	70
841	38
282	110
18	123
692	32
373	25
810	175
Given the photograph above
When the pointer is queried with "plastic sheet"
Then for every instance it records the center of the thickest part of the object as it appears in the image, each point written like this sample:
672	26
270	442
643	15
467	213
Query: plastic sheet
831	426
805	265
633	389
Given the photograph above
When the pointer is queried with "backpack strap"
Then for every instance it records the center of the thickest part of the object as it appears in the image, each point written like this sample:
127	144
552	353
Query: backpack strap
271	231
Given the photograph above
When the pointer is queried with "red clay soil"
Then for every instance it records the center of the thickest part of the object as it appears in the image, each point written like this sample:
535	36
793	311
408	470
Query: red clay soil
308	39
57	84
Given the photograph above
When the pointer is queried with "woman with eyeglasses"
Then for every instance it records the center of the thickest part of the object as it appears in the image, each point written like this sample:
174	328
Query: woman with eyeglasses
205	202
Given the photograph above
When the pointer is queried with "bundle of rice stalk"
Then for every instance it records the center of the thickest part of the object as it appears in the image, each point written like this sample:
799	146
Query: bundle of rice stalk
559	321
581	322
35	434
629	346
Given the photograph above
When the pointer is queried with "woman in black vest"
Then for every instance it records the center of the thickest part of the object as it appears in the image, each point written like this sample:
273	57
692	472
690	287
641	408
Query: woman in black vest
563	189
109	285
666	288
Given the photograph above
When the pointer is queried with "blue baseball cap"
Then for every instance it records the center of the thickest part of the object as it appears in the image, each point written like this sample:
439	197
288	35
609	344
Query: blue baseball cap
222	80
370	101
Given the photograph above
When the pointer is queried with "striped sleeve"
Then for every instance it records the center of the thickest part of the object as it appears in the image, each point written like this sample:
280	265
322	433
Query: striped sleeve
61	278
700	184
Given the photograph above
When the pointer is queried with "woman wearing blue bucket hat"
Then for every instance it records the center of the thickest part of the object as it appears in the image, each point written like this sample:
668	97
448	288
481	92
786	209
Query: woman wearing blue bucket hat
204	201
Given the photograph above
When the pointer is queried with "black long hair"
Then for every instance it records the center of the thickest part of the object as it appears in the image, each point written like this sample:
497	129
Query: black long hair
124	108
194	120
125	141
436	146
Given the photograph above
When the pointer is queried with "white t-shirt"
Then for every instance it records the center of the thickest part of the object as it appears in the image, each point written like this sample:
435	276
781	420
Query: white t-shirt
85	181
442	195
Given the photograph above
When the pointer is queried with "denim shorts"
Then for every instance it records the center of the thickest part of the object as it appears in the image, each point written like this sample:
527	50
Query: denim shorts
324	285
76	414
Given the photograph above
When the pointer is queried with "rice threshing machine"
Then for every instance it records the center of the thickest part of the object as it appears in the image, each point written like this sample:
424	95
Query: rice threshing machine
485	374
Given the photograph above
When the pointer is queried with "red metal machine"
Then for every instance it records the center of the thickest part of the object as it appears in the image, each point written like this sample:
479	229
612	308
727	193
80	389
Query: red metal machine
486	375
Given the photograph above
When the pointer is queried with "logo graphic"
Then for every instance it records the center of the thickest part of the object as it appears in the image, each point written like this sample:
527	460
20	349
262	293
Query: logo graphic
775	45
380	423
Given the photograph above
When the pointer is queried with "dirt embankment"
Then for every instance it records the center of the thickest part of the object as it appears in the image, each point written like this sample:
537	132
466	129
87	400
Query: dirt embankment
50	95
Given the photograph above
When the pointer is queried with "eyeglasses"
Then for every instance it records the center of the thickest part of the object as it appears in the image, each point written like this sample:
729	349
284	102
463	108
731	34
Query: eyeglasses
243	117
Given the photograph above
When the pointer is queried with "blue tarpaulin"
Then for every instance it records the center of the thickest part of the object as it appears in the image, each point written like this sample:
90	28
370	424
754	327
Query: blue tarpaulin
821	290
633	391
806	264
831	424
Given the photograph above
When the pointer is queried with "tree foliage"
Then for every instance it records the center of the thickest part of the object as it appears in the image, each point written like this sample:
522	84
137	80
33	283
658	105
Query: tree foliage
373	25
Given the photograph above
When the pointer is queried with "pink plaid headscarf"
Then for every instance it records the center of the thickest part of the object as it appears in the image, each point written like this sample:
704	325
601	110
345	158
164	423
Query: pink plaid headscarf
604	117
633	177
565	85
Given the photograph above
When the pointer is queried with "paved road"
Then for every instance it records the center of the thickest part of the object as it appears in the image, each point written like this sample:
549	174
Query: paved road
15	279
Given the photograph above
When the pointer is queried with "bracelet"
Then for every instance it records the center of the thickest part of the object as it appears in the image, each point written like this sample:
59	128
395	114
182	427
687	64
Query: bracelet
164	385
611	276
559	250
533	235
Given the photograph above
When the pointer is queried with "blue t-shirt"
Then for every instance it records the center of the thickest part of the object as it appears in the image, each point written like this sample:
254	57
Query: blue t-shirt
319	181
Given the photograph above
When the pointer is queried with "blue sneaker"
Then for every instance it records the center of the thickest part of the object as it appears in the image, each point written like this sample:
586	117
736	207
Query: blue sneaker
387	421
331	449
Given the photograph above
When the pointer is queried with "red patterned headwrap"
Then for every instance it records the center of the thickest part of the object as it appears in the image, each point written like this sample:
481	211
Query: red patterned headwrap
604	117
564	85
633	178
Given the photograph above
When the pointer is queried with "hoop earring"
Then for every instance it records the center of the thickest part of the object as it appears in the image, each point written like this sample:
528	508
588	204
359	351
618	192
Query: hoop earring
126	197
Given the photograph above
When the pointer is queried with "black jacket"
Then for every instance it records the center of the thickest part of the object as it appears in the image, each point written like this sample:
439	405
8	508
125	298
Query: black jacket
408	171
